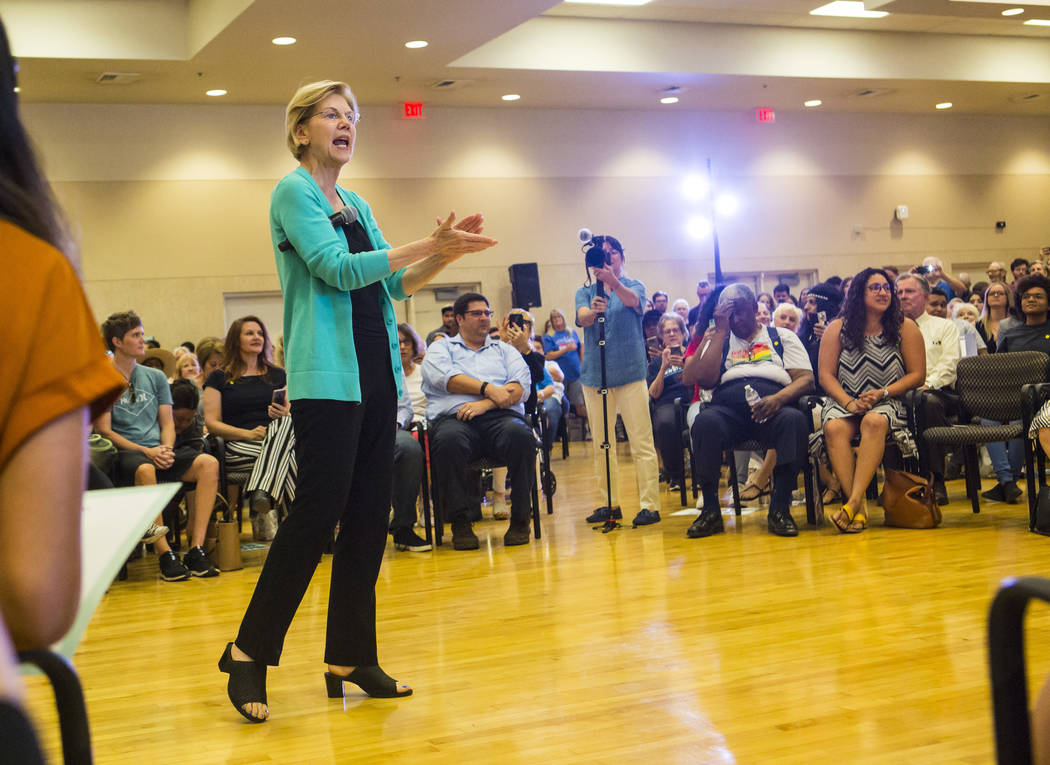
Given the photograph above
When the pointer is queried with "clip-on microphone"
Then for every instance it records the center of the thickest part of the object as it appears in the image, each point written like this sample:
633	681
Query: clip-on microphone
343	217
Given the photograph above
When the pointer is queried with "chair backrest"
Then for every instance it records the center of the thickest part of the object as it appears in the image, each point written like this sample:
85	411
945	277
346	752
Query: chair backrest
990	386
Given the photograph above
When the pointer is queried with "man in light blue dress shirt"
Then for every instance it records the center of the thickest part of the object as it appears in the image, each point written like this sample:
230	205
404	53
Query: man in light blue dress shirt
476	387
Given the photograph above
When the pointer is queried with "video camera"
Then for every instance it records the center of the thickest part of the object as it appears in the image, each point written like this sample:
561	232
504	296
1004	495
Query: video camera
594	255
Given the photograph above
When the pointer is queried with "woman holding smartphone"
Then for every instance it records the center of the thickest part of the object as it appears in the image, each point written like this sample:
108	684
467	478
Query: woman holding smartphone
245	403
665	385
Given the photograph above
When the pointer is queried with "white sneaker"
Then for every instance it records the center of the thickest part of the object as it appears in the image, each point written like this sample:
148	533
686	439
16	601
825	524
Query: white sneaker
154	533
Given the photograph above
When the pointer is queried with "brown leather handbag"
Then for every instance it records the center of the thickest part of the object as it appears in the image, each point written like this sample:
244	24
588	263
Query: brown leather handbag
909	502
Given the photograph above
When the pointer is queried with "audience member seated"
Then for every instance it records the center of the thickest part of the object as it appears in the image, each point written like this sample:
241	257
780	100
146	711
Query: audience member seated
998	315
821	306
475	388
763	315
787	316
664	376
210	353
660	302
738	354
187	367
186	416
869	358
1019	270
932	270
161	359
941	339
1036	268
447	328
782	294
1033	293
681	307
407	475
651	334
246	405
970	341
976	296
562	344
140	425
412	351
996	273
764	298
550	395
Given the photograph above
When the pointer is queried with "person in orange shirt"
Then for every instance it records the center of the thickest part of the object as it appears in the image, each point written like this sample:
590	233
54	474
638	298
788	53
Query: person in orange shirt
56	378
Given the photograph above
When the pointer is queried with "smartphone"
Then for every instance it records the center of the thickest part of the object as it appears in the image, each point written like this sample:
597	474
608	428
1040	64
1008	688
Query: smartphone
676	350
822	317
927	269
280	396
517	320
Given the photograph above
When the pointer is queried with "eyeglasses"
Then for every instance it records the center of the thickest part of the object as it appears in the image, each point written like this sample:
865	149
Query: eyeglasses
334	116
880	287
478	313
134	393
993	271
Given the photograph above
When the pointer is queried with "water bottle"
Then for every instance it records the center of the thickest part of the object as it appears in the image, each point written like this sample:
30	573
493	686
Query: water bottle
751	396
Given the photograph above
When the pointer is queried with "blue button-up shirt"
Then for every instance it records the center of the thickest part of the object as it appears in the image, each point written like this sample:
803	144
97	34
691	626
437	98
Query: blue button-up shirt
495	362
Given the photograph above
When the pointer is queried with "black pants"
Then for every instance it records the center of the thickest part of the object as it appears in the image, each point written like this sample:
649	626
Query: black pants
717	428
937	406
345	454
407	477
499	434
668	438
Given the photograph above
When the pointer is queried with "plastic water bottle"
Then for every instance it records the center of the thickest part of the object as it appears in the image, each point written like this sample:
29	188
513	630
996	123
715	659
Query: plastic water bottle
751	396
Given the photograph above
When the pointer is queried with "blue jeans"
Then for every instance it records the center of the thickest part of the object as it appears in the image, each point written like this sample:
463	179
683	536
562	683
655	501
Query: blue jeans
1007	458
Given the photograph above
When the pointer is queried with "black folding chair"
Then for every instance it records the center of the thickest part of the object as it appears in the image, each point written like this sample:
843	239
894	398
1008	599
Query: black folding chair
69	701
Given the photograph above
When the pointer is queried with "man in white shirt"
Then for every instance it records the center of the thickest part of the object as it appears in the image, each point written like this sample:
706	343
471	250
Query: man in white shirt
942	357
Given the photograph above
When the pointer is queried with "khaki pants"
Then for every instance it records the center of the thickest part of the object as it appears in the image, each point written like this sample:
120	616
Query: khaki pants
632	403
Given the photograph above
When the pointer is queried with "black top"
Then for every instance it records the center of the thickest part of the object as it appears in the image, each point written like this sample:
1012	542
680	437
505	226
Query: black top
369	327
1025	338
673	387
245	402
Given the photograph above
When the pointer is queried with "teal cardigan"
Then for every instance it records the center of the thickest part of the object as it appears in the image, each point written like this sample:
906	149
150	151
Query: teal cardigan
316	280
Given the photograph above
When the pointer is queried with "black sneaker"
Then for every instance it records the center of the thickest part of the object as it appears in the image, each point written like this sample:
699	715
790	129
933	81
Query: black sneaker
646	517
171	570
603	514
407	540
196	560
1003	492
463	536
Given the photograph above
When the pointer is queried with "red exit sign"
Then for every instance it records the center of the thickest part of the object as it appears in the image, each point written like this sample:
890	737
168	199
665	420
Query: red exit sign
412	111
765	114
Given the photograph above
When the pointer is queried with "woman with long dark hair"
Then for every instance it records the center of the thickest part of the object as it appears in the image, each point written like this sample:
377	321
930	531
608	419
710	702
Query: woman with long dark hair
339	278
56	377
246	404
869	357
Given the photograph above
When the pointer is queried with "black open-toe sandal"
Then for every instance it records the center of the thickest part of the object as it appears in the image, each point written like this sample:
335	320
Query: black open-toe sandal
372	680
247	683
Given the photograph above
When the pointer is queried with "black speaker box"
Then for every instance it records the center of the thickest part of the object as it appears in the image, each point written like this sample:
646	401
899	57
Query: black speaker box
524	285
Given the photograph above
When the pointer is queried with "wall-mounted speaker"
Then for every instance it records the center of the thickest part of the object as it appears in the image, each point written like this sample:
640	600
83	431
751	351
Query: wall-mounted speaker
524	285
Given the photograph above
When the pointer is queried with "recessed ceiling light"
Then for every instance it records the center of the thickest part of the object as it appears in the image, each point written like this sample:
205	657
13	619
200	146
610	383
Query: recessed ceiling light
812	102
510	97
1038	22
944	105
17	89
853	9
283	41
669	100
216	92
1013	11
417	44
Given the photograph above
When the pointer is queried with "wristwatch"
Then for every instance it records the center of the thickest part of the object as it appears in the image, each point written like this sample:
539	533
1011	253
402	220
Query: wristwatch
483	386
885	393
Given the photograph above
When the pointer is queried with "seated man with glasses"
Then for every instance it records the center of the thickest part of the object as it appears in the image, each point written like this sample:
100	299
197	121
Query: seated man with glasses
996	272
141	426
475	387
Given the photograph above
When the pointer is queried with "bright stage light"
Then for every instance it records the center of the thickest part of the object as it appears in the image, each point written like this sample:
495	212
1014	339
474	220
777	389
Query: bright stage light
727	204
694	187
698	227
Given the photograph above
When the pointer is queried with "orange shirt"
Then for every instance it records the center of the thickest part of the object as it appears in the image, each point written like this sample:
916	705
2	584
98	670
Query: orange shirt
52	359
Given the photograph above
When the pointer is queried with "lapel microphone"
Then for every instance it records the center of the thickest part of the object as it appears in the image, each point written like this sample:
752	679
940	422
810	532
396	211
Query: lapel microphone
343	217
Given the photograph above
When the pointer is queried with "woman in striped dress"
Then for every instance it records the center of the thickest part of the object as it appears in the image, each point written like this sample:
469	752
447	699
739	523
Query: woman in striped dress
869	358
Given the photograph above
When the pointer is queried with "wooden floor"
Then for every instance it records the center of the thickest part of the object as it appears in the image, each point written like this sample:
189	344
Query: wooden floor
636	646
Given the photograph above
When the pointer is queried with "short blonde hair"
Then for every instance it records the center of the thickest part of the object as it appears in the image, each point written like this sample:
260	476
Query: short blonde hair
301	108
787	308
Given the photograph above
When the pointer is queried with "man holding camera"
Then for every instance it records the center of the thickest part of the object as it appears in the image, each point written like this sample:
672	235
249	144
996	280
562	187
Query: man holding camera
621	300
476	386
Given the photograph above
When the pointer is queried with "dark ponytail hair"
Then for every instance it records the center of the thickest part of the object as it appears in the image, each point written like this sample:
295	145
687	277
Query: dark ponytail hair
25	195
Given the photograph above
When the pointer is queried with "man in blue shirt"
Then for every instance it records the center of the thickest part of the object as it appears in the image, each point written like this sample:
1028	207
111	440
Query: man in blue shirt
476	387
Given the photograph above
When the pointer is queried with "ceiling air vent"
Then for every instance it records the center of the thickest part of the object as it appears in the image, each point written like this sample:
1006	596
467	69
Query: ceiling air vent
870	92
117	78
450	84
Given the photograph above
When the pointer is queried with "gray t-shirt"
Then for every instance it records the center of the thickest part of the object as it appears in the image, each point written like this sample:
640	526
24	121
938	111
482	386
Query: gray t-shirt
135	413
